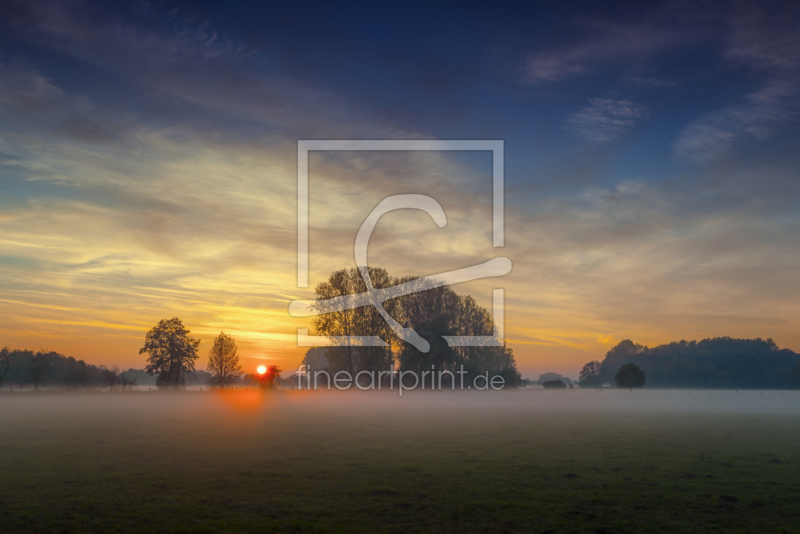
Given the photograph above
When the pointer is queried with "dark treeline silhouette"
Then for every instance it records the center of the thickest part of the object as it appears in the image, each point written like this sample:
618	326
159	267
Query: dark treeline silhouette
721	362
49	369
432	313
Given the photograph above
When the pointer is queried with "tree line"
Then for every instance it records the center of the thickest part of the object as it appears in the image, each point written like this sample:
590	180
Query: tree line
722	362
49	368
171	351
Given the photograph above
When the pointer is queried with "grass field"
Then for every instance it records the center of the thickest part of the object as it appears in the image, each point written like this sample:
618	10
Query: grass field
519	461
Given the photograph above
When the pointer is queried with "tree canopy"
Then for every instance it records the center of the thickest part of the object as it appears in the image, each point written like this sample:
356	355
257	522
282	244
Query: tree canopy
223	361
172	353
590	375
432	313
630	376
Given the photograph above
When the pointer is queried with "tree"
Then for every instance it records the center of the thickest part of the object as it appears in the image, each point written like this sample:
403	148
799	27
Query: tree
38	369
110	377
6	361
630	376
125	382
441	356
363	321
172	353
268	380
554	384
223	361
431	312
590	375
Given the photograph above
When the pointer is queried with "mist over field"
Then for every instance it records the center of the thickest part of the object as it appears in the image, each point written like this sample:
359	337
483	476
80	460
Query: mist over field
521	460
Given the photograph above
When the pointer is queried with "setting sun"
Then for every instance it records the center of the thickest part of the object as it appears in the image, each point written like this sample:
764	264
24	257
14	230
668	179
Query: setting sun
261	369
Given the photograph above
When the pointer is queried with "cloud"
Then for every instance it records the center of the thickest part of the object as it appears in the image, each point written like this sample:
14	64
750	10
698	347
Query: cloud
605	120
768	46
613	43
760	115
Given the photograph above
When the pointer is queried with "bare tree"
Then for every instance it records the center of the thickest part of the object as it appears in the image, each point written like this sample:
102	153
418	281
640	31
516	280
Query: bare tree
223	361
125	383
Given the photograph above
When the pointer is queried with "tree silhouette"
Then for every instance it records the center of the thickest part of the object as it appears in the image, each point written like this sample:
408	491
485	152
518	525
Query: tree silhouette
172	353
110	377
273	373
38	369
721	362
431	312
6	361
590	375
223	362
441	356
630	376
363	321
554	384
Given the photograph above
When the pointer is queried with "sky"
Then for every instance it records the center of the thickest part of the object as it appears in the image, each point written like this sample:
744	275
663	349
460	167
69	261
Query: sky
148	167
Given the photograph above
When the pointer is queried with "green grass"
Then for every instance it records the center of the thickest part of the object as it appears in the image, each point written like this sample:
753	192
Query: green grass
502	462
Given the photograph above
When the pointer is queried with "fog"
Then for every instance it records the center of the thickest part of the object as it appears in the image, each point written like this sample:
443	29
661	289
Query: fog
285	405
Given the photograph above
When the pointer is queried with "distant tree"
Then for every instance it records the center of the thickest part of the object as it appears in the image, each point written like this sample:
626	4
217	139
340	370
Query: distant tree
721	362
273	373
172	353
554	384
590	375
223	362
794	377
110	377
6	361
125	382
553	376
38	369
630	376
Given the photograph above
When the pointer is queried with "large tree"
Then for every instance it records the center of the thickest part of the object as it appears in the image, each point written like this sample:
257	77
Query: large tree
6	361
172	353
223	362
363	321
431	312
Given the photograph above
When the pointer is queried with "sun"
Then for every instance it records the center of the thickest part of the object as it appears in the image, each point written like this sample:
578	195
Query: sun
261	369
